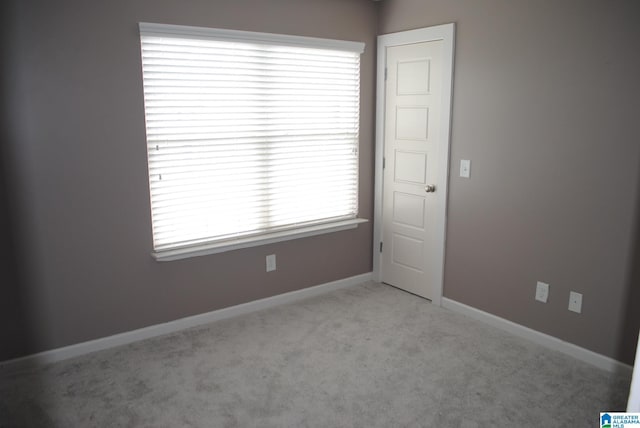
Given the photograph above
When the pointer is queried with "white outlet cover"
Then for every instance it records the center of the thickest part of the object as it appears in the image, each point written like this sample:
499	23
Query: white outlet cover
542	292
575	302
271	262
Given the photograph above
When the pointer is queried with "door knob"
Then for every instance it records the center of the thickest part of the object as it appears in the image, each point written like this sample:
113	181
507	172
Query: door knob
430	188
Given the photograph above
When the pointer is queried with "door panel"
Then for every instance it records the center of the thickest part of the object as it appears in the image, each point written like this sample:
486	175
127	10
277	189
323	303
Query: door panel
410	167
408	210
408	251
412	139
413	77
411	123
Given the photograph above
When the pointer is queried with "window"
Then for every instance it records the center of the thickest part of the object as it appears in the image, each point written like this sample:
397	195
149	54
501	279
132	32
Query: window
251	137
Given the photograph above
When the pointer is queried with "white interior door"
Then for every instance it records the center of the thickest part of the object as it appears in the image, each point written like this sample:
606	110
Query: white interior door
416	115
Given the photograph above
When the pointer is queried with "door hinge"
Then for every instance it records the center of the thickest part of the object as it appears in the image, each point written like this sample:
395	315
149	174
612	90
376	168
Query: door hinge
380	246
385	74
384	162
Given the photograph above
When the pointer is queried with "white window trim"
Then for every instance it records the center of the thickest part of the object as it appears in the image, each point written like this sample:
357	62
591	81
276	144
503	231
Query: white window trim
208	248
264	38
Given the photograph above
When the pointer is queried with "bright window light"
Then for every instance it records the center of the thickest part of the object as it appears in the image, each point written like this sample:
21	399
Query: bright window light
247	133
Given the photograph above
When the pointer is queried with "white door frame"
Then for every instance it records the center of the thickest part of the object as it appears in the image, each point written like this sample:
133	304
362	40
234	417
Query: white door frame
446	33
633	405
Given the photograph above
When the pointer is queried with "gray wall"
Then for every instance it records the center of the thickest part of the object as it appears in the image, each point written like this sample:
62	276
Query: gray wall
76	164
546	103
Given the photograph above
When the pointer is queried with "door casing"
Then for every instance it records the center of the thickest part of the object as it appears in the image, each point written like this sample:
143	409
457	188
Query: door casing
446	33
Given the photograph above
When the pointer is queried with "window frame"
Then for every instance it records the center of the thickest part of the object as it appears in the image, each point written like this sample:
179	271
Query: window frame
268	237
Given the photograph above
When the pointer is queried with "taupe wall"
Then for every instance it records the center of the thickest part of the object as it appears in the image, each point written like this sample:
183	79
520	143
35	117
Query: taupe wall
546	104
546	101
77	164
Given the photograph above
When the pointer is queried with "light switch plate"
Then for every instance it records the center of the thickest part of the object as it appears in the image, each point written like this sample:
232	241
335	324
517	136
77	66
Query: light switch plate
465	168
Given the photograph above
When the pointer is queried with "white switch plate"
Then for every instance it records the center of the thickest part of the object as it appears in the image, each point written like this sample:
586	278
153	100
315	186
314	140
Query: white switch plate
465	168
271	262
542	292
575	302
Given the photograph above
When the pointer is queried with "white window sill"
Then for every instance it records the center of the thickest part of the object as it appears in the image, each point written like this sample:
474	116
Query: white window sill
254	241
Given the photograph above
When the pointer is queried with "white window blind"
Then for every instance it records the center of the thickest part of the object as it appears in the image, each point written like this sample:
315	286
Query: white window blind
248	133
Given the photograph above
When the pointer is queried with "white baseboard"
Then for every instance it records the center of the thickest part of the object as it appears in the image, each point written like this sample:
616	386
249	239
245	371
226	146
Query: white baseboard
582	354
83	348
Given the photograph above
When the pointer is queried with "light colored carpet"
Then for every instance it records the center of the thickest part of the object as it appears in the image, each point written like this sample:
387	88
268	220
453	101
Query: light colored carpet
366	356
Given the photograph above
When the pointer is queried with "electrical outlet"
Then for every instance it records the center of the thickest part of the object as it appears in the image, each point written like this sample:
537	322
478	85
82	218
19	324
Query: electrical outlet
542	292
271	262
575	302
